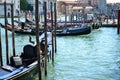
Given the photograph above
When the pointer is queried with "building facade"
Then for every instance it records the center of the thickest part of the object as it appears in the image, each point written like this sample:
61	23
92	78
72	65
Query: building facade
32	3
102	7
16	5
41	2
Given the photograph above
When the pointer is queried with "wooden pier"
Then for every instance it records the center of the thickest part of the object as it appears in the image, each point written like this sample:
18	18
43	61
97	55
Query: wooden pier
109	25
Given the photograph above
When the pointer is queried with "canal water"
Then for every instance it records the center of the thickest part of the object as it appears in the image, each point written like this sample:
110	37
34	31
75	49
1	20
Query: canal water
87	57
95	56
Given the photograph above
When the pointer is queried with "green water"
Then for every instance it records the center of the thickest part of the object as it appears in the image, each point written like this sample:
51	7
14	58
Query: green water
88	57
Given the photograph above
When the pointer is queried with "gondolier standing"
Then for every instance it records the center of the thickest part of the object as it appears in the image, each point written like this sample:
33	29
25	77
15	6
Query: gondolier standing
113	16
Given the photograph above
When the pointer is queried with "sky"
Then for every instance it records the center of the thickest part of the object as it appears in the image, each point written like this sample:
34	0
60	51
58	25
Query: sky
108	1
113	1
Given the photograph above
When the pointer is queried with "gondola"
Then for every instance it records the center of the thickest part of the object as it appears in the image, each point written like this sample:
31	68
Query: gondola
76	30
23	64
18	30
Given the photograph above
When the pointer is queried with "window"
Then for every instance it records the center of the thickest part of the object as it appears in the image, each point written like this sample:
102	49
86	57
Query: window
8	9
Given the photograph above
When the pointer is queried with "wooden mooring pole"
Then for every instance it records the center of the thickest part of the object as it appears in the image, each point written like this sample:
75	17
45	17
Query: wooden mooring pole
52	32
71	17
6	33
18	15
13	38
25	15
37	38
55	16
46	45
1	60
118	29
65	16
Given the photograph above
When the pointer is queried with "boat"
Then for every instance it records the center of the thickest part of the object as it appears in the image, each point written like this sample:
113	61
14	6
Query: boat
31	22
96	25
24	63
30	59
19	30
76	30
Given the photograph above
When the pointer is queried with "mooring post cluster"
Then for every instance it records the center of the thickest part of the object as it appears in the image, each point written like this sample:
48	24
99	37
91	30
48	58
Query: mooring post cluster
53	31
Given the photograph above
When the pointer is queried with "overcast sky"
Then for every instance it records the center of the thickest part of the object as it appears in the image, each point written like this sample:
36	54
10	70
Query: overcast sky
113	1
108	1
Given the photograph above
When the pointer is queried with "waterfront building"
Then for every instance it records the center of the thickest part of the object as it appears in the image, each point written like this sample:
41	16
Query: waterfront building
32	3
83	2
72	6
112	8
102	7
49	7
16	4
94	6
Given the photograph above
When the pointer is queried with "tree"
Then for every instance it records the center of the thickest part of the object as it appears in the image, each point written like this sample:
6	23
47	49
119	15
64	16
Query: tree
29	7
23	5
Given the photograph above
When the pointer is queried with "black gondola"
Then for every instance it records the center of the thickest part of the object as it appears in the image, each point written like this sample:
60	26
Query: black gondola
30	31
82	30
23	64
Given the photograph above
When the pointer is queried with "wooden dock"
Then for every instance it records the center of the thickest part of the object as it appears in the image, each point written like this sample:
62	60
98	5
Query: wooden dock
109	25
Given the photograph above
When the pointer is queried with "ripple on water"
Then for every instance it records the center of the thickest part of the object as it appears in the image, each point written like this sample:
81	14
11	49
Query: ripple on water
90	57
86	57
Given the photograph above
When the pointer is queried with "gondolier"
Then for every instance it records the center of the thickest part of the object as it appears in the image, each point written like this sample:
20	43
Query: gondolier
113	17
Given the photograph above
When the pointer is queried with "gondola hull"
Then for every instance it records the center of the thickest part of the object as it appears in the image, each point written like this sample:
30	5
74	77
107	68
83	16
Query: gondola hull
77	31
27	32
18	73
28	60
22	31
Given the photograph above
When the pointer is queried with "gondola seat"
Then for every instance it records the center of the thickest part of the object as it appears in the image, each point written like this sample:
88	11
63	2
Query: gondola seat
29	55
